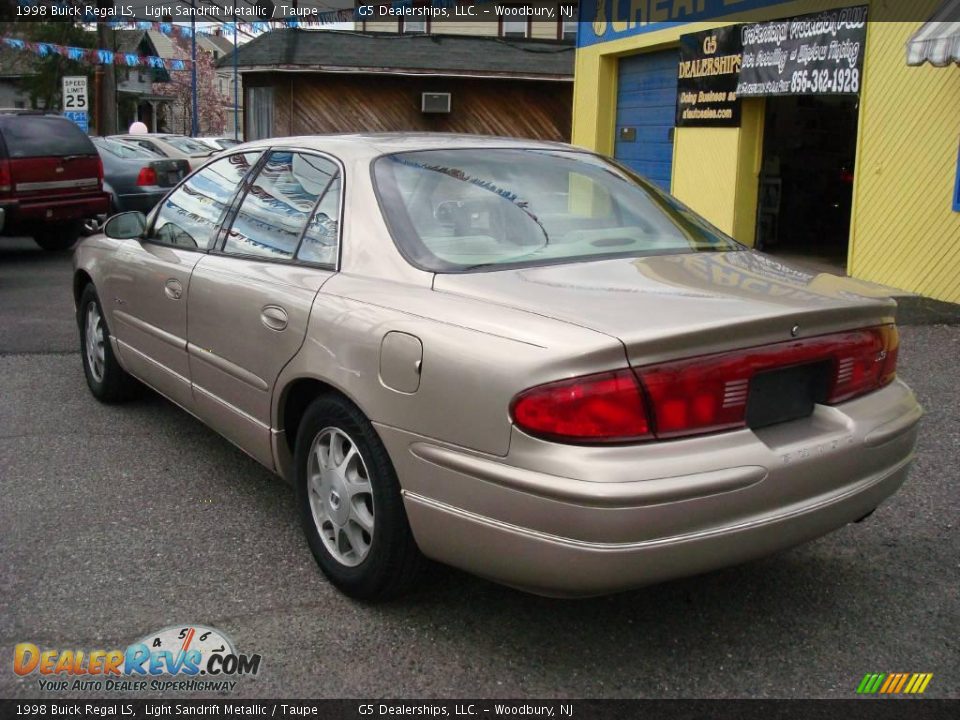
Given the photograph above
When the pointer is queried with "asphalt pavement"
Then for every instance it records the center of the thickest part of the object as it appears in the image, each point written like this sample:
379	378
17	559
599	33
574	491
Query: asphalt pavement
118	521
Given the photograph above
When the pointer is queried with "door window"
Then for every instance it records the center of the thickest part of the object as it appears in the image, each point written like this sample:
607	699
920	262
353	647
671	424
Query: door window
188	217
273	215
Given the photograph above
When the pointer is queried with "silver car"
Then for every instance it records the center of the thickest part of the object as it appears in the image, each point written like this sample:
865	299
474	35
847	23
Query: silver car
517	358
171	146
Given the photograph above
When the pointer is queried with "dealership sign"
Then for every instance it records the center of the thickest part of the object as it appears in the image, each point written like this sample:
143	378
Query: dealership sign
707	78
816	54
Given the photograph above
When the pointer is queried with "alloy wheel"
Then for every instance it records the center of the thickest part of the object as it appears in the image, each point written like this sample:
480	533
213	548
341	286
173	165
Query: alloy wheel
341	496
93	337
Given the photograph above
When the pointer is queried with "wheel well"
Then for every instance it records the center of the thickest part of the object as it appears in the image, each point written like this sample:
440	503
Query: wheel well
80	281
295	401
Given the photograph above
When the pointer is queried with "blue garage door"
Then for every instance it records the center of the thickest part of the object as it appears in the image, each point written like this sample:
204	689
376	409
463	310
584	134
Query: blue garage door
646	107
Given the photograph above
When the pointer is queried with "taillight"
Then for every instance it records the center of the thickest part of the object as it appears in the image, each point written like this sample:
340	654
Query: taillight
702	394
99	171
6	177
607	407
147	176
865	364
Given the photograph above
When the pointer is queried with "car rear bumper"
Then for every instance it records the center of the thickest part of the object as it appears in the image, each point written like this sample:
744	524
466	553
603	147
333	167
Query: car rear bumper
609	519
25	213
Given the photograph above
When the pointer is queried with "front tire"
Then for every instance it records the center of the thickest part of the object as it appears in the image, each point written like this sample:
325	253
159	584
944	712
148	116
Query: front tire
108	382
59	237
350	503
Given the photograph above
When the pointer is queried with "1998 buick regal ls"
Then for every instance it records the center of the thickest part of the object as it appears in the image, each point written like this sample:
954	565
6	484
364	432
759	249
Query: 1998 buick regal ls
517	358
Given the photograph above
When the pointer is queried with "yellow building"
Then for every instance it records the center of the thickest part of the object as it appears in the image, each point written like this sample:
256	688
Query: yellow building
867	177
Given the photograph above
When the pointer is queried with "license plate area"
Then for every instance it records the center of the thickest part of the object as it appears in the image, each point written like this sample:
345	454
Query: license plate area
785	394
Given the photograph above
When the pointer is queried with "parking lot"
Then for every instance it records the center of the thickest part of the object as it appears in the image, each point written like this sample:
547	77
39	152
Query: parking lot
119	521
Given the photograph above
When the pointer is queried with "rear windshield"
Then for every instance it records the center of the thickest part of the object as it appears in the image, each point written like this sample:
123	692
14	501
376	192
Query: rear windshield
466	209
43	136
125	150
188	145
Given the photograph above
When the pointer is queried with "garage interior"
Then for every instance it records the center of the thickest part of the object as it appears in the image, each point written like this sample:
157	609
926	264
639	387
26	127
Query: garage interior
806	180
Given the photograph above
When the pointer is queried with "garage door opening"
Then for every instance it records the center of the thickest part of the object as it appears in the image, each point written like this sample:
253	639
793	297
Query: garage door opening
806	180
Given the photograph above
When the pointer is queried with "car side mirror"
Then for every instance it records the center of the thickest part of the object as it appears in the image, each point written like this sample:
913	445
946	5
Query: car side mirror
126	226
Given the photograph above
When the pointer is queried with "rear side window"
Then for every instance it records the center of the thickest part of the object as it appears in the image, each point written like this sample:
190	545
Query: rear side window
273	215
321	239
126	150
29	136
189	216
187	145
147	145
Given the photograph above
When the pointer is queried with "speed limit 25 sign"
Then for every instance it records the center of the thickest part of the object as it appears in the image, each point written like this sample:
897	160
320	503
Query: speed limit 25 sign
75	93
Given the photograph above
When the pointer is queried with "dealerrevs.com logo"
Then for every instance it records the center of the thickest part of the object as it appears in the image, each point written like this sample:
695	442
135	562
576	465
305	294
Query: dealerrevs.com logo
178	658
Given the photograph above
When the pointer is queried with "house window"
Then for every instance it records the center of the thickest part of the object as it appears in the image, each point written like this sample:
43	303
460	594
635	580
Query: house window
514	24
260	113
413	27
568	29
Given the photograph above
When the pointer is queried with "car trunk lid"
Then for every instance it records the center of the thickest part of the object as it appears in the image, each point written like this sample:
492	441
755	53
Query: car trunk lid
673	306
170	172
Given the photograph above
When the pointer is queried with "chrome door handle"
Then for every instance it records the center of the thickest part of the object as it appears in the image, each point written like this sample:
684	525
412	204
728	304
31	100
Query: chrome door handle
273	317
173	289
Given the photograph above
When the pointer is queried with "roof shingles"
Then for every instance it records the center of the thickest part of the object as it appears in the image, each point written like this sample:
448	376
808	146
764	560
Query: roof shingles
453	54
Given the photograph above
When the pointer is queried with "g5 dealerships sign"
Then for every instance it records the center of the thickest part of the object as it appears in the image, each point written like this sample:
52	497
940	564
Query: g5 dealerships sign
816	54
707	78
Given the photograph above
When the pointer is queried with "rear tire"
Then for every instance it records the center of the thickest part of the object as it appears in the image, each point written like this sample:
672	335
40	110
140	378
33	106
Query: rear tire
350	503
59	237
108	382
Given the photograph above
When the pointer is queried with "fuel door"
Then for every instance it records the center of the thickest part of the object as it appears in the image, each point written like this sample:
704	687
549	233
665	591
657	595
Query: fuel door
401	358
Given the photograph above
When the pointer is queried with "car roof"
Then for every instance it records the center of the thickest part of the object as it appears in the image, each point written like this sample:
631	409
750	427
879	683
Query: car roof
373	144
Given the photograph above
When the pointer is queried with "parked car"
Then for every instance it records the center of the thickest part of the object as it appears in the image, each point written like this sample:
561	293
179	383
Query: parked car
136	178
219	143
172	146
514	357
51	178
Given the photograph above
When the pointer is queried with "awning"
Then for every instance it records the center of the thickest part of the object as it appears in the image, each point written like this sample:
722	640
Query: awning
938	40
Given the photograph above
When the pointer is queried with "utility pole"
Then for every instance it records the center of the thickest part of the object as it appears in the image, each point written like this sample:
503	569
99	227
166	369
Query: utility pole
236	84
105	80
195	122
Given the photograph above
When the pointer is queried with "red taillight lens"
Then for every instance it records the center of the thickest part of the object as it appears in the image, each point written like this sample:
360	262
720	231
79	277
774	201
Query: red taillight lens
709	393
6	178
100	170
147	176
607	407
866	363
698	395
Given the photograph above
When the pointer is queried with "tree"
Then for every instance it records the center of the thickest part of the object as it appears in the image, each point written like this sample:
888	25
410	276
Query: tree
43	83
211	115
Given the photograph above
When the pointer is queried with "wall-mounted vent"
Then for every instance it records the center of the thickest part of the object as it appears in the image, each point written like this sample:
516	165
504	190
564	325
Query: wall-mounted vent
435	102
